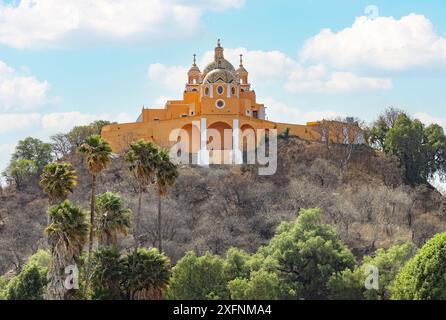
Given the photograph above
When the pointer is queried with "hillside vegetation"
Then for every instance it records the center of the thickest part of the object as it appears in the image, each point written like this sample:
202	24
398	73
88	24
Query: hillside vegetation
374	204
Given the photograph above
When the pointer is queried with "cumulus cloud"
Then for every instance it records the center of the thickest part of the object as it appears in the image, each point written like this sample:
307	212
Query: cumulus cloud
281	112
385	43
273	67
64	121
428	119
52	23
18	91
170	77
337	82
14	121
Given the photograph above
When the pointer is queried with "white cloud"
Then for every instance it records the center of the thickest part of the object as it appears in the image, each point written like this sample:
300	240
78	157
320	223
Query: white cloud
273	67
170	77
337	82
15	121
67	120
385	43
281	112
428	119
19	91
50	23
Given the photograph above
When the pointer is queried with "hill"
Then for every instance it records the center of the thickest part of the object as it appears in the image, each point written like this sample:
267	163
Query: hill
211	209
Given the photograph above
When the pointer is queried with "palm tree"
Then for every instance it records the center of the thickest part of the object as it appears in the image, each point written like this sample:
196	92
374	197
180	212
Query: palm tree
166	175
57	180
112	218
143	159
67	234
98	157
146	274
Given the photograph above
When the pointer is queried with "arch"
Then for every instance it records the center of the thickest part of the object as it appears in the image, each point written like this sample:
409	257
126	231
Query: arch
219	136
192	134
248	139
219	142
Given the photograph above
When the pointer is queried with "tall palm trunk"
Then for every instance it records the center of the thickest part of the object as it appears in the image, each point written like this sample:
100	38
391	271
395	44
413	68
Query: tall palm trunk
160	235
137	227
91	236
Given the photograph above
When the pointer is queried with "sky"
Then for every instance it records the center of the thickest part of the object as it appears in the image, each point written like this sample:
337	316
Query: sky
66	63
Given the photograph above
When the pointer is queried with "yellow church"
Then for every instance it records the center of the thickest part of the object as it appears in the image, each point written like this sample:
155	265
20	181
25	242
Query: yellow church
219	98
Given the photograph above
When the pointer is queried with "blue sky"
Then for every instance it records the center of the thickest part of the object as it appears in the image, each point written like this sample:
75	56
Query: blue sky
67	62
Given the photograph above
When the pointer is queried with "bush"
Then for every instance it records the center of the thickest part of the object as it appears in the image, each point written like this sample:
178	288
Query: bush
198	278
423	277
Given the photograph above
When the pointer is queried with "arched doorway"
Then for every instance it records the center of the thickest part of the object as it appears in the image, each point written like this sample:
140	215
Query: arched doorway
248	143
219	142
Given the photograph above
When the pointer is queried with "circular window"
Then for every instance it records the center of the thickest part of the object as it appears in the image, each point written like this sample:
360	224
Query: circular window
220	104
220	90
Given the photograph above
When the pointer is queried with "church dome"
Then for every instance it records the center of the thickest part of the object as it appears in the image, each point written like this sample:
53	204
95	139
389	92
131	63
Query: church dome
220	63
194	69
217	75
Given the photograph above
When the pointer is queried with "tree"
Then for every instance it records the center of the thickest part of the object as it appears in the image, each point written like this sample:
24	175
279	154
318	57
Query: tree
61	145
97	156
30	283
198	278
20	171
143	159
67	235
57	180
422	278
420	150
113	218
405	140
107	274
146	274
307	253
262	285
378	131
166	174
350	284
79	134
34	150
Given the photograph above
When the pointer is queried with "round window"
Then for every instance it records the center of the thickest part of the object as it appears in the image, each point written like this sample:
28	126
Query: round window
220	104
220	90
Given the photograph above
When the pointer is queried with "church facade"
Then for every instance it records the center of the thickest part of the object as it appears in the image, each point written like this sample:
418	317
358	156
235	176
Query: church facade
217	99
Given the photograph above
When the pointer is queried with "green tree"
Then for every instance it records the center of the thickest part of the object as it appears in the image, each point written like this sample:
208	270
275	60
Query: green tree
423	277
406	141
143	159
20	172
146	274
166	175
350	285
307	253
262	285
198	278
97	157
67	235
35	150
107	274
57	180
112	218
378	131
30	283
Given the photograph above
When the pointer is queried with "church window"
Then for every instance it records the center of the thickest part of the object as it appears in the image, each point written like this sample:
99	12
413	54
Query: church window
220	90
220	104
233	91
206	91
